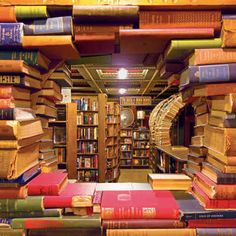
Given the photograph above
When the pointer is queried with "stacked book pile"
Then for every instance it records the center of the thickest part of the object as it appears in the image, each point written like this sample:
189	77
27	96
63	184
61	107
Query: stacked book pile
162	119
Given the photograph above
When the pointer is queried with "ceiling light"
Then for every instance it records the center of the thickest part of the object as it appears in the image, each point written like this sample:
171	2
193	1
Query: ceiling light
122	91
122	73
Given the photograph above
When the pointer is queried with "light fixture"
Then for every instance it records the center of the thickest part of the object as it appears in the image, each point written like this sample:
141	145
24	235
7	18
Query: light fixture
122	91
122	73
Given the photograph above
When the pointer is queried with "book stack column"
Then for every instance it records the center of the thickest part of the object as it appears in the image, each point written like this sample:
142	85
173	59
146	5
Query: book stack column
212	79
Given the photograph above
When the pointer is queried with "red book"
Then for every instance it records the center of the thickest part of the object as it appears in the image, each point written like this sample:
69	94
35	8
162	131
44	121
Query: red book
139	204
155	40
208	203
213	190
13	193
181	19
8	14
95	43
47	184
212	223
73	195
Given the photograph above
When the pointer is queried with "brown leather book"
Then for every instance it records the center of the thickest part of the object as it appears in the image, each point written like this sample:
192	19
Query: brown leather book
199	130
180	18
155	40
201	119
198	140
46	111
197	150
225	103
52	85
14	93
49	45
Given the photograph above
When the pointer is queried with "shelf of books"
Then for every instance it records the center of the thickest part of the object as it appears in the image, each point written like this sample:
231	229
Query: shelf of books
112	141
89	146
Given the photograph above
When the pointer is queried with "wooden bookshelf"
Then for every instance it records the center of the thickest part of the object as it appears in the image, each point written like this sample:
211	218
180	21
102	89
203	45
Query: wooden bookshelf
64	137
126	147
112	141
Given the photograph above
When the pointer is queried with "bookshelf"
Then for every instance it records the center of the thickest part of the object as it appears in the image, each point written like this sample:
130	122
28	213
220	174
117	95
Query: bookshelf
64	137
112	141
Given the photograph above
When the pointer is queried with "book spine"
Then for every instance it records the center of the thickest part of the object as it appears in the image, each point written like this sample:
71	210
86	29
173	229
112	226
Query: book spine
57	202
224	223
11	79
56	25
138	224
167	19
12	232
11	34
28	204
30	12
38	190
13	193
21	214
7	14
212	73
216	231
7	114
5	221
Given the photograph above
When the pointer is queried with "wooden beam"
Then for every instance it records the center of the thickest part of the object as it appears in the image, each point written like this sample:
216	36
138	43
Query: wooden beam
151	83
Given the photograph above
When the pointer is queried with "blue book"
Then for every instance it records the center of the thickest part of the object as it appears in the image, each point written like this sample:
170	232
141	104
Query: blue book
55	25
22	179
11	34
5	221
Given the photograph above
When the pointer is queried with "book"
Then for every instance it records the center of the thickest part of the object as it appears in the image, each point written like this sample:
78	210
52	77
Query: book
46	111
50	26
209	223
49	84
214	89
199	130
225	138
8	14
212	56
20	80
151	232
178	50
216	175
50	94
201	119
220	165
46	145
228	33
208	203
228	160
11	34
118	204
111	13
57	222
11	160
16	114
22	179
30	214
155	40
73	195
47	184
180	19
12	232
213	190
197	150
142	224
32	58
30	12
224	103
19	130
221	122
45	101
47	44
222	114
169	181
198	140
27	205
14	92
95	44
18	66
215	231
13	193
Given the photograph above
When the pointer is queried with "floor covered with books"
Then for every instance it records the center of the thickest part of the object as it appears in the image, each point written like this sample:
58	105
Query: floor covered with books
118	118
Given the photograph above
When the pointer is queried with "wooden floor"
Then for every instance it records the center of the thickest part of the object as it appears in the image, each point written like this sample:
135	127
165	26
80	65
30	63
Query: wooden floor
134	175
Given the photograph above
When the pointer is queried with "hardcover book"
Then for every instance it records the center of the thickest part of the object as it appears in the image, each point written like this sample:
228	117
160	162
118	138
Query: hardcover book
73	195
152	205
13	193
30	12
47	184
225	103
20	114
8	14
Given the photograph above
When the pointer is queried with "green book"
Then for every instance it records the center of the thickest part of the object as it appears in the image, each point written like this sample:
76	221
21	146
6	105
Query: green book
93	60
28	204
57	222
178	50
31	12
32	58
11	232
30	214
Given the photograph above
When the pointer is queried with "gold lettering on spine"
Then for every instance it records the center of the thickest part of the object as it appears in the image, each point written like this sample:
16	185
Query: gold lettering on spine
149	212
